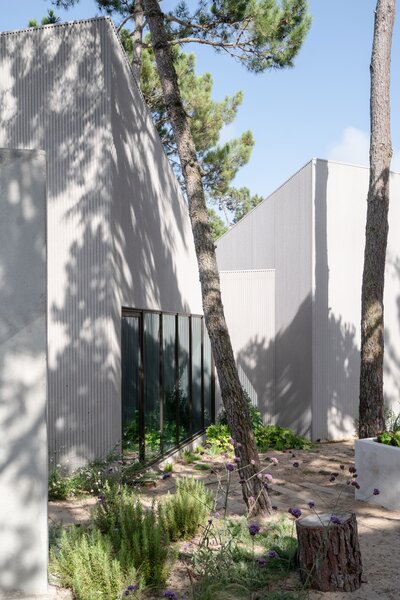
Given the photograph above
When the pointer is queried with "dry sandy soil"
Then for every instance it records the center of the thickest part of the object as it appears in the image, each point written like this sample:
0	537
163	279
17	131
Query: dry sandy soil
379	529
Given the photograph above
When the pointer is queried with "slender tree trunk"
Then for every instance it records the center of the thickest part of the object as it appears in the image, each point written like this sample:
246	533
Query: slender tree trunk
372	327
138	17
231	389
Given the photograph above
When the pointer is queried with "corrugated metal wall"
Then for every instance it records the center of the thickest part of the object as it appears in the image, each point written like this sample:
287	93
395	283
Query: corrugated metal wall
55	94
154	264
249	304
117	234
340	214
278	235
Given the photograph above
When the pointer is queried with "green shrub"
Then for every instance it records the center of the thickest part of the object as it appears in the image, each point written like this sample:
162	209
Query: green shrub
84	563
218	437
189	457
59	485
182	513
150	550
279	438
137	537
390	438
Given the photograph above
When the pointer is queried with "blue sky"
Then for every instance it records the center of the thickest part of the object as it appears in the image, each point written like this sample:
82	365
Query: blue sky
320	108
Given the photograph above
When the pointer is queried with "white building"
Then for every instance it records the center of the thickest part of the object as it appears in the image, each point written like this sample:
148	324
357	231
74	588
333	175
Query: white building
291	281
124	313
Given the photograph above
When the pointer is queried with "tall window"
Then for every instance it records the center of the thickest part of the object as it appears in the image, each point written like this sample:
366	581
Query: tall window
167	381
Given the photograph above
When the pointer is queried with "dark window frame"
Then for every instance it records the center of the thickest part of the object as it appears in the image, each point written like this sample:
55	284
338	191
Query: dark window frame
140	313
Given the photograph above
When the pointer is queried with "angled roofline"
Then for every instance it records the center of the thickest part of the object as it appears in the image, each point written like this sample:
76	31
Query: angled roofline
311	161
66	24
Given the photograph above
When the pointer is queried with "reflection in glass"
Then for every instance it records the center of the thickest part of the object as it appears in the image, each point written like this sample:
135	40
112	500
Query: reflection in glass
183	385
207	365
197	415
151	351
130	358
170	377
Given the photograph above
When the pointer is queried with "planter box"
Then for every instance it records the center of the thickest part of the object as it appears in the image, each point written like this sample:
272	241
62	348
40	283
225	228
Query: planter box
378	466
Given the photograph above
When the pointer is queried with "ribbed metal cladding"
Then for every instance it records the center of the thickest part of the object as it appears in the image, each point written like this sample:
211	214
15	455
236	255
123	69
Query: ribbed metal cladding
249	304
55	95
277	234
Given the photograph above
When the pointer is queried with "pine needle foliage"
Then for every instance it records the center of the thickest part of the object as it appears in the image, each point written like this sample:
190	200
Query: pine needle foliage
85	564
182	514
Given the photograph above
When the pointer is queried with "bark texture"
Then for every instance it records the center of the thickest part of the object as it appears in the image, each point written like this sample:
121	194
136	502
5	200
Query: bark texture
138	17
329	554
371	417
254	492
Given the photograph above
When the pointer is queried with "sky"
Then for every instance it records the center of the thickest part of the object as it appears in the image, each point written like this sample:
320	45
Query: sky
318	109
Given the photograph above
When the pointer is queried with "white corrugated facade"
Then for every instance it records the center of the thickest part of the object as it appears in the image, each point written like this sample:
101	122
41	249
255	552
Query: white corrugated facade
117	226
312	232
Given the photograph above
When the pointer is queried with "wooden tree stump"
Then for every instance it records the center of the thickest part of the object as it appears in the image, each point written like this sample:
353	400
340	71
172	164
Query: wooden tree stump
329	553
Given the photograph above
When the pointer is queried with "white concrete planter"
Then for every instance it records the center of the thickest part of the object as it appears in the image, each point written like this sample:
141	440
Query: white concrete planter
378	466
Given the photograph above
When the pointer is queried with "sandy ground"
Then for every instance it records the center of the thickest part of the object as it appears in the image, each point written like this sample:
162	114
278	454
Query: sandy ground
379	529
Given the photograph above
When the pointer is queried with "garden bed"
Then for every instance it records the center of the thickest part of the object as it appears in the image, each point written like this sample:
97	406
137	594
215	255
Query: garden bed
294	485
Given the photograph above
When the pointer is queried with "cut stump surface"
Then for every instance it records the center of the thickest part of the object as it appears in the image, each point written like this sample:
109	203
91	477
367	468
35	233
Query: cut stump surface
329	552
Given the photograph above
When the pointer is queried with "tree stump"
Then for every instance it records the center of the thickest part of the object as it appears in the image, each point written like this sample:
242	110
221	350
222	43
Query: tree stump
329	553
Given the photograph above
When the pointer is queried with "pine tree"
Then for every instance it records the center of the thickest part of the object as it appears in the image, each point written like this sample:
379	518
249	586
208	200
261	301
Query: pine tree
262	35
371	416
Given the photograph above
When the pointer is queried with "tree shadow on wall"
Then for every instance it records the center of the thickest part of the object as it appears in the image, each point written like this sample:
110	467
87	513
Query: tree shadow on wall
287	399
116	227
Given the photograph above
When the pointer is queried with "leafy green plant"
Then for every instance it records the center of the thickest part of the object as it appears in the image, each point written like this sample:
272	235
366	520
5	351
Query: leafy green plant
279	438
59	485
390	438
84	563
182	513
218	437
189	457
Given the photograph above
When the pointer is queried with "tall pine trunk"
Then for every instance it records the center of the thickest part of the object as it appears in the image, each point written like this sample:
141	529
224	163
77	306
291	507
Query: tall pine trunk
231	390
371	417
138	17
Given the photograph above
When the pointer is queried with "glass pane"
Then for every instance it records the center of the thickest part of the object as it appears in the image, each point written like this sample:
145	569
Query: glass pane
197	416
151	385
130	359
207	380
170	408
183	390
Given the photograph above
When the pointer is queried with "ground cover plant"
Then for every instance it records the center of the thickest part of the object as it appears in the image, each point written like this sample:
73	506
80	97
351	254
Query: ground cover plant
391	435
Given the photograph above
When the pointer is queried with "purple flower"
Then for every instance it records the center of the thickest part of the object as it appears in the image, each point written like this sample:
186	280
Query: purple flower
311	504
170	594
274	507
231	441
376	492
332	478
272	554
236	459
296	464
342	467
356	484
268	477
274	460
253	528
230	467
132	588
335	474
242	481
101	499
210	521
253	462
126	593
166	475
261	561
334	519
352	469
295	512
